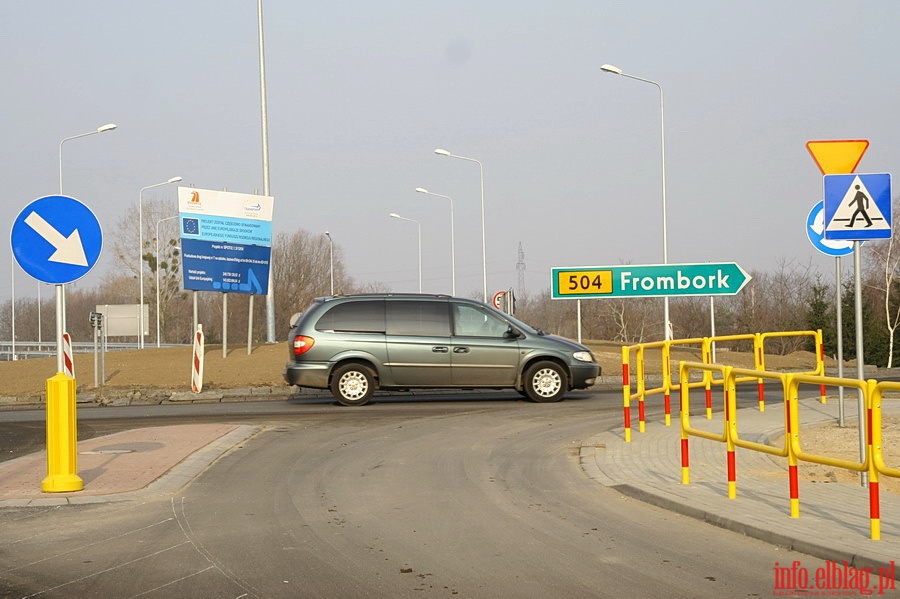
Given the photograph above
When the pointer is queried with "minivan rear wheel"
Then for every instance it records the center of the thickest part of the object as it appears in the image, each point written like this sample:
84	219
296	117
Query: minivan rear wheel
545	382
352	384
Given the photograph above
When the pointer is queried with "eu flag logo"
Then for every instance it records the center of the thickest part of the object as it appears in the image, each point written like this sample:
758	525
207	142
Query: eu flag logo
190	226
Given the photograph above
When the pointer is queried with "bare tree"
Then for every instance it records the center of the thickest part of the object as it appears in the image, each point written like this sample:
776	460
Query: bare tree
883	262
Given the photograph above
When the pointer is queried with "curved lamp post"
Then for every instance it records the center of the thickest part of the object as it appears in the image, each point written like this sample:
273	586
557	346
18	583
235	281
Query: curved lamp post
608	68
140	271
419	227
157	275
101	129
60	289
442	152
452	242
331	259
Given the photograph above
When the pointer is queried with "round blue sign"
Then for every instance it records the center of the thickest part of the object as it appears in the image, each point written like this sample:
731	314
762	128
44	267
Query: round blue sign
815	230
56	239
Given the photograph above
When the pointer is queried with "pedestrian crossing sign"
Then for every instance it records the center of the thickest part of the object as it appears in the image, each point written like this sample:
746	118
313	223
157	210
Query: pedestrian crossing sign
858	207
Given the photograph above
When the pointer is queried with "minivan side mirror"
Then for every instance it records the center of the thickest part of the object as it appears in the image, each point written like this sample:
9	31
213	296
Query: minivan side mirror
512	333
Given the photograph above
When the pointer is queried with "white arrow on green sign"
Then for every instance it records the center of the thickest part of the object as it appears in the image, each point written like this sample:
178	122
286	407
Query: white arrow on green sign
654	280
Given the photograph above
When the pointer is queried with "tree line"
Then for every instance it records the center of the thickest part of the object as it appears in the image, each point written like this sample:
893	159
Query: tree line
792	297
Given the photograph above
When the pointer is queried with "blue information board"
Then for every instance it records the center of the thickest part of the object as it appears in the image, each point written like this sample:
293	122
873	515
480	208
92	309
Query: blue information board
226	240
225	267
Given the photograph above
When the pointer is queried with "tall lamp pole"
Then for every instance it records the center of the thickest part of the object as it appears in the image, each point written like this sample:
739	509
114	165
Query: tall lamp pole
452	242
608	68
330	259
441	152
270	292
419	226
157	275
140	271
60	289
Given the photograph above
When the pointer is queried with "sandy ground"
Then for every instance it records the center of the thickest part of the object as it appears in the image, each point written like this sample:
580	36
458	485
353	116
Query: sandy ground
170	368
166	368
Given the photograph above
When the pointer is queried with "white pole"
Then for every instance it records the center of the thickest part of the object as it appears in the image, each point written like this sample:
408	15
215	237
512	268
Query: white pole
224	325
270	294
140	271
442	152
452	239
662	137
330	259
840	335
12	271
860	360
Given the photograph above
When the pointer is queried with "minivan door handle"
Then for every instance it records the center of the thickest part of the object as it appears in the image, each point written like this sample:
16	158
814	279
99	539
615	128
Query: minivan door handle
440	349
460	350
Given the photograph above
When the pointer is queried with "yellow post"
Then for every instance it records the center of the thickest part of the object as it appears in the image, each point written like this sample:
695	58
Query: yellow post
873	444
62	437
685	410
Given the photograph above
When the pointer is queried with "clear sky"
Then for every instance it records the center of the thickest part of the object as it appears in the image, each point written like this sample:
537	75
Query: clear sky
361	93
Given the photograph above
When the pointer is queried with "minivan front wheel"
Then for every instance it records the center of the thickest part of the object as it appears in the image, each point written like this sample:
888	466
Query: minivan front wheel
545	382
352	384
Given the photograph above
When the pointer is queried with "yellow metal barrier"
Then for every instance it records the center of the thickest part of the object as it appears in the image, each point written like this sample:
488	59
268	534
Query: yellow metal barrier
685	406
708	380
873	464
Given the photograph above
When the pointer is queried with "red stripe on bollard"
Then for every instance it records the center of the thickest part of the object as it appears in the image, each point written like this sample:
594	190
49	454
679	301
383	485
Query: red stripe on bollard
874	502
795	485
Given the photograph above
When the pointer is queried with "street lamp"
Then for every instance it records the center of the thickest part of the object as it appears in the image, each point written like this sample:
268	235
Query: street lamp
157	277
608	68
419	226
331	259
61	289
102	129
452	246
441	152
140	271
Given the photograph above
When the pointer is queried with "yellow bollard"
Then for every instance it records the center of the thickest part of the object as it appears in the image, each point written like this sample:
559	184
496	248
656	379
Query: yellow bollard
62	437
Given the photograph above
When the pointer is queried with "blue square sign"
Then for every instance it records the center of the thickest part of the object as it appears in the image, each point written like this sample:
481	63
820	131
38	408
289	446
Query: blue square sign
858	207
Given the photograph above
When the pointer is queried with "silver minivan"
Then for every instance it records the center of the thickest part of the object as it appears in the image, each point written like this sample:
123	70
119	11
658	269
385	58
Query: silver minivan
356	344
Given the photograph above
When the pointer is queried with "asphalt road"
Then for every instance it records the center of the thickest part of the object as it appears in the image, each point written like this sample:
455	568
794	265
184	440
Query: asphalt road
446	497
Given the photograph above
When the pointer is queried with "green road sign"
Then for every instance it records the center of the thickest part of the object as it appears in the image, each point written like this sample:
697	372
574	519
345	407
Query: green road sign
655	280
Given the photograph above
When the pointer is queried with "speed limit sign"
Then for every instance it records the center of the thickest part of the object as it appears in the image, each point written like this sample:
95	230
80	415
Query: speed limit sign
497	300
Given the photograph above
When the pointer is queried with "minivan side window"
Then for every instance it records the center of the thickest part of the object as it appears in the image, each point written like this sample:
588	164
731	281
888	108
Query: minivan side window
420	319
471	321
354	317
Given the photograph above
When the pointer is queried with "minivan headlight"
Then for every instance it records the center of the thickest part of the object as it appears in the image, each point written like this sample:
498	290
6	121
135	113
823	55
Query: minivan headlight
583	356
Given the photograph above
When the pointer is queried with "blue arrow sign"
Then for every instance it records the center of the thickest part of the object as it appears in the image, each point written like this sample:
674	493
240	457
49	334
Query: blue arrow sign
655	280
857	207
56	239
815	231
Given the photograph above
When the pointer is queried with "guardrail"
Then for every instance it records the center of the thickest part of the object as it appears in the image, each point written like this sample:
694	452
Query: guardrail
25	350
872	461
704	345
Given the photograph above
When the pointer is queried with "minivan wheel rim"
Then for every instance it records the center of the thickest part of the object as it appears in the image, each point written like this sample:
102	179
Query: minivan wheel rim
354	385
547	382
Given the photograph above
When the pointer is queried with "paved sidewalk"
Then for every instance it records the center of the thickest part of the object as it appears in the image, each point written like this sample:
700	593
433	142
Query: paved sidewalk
124	465
834	521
